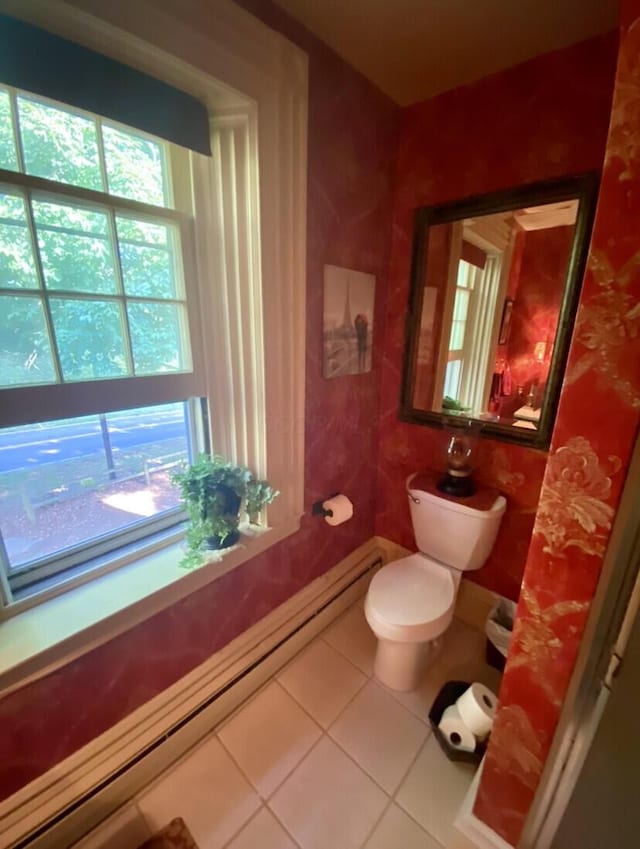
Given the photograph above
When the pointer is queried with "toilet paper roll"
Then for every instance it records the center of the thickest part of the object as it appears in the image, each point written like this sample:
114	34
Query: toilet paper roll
477	709
341	509
456	732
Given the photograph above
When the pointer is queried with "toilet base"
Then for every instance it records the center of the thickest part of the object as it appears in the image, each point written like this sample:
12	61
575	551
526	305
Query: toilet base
401	666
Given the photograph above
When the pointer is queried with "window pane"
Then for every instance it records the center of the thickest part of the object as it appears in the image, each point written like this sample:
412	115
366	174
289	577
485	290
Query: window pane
59	145
467	274
8	158
134	166
67	482
25	351
75	248
158	332
457	335
452	379
461	305
89	337
147	255
17	266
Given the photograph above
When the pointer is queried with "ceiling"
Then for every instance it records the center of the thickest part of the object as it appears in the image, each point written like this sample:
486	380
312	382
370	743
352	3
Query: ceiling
415	49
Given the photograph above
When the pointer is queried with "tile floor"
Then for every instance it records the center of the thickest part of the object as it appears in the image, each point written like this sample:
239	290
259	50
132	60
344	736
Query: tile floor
322	757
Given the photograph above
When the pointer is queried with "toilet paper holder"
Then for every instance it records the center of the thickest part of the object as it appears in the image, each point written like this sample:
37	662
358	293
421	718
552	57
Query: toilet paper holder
318	508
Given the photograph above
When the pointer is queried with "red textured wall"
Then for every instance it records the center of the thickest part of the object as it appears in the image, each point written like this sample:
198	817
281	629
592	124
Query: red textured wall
352	137
545	118
537	300
593	440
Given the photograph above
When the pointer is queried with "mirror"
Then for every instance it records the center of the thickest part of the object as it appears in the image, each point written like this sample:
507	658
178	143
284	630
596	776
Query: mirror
494	288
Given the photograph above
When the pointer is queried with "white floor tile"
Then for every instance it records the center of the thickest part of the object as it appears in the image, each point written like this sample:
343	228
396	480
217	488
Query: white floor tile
328	802
352	637
269	737
420	700
319	798
461	659
263	831
398	831
322	681
434	789
380	734
126	829
208	791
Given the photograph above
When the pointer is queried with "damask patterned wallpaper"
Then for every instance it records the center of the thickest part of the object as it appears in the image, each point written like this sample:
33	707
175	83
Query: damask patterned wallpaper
527	127
592	443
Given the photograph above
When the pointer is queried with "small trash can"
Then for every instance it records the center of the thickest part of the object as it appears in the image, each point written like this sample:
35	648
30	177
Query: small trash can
498	630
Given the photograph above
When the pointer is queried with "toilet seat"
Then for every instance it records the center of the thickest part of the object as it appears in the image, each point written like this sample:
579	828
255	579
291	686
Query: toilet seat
411	600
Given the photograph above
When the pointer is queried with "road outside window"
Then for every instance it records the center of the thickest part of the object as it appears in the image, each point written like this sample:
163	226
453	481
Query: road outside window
66	483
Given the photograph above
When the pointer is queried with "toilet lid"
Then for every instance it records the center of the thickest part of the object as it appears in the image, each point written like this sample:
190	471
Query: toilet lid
411	591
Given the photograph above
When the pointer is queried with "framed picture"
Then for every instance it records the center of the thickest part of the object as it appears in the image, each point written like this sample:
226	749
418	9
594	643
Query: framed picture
349	300
505	325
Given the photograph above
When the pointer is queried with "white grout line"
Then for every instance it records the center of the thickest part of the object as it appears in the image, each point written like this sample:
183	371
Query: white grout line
275	679
401	806
289	774
338	650
366	672
252	817
244	824
134	804
411	766
265	799
239	708
371	832
340	712
324	732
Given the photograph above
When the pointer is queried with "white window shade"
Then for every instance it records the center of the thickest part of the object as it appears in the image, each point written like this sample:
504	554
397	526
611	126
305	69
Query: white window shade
258	367
229	260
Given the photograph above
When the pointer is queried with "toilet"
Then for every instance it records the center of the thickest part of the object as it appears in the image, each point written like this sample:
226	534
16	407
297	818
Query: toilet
410	602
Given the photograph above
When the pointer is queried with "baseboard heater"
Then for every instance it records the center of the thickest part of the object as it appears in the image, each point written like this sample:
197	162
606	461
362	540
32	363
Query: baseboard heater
72	821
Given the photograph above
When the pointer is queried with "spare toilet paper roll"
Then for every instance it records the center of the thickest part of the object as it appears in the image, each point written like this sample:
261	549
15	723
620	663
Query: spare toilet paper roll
477	708
341	509
453	728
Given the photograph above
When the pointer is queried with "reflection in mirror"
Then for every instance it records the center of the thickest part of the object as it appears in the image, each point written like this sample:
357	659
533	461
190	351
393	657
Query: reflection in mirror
491	294
499	280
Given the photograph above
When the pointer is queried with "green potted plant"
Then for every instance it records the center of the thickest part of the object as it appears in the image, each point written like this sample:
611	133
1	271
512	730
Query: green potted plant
452	405
213	492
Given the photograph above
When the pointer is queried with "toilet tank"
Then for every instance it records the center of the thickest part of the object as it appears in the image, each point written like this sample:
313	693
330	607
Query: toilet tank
459	532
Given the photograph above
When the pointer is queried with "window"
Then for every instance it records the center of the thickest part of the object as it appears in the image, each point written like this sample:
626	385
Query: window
73	489
239	69
463	310
241	219
89	288
93	291
469	351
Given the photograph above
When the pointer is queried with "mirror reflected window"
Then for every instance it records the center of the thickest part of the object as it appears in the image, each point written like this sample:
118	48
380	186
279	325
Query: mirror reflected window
494	288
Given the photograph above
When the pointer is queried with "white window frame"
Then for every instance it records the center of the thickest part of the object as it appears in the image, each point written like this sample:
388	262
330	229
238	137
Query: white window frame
482	323
477	348
250	226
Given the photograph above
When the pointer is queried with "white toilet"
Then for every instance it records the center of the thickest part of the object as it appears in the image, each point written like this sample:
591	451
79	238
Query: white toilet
410	601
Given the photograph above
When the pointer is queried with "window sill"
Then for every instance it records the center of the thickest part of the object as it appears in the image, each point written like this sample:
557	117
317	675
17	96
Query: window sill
40	639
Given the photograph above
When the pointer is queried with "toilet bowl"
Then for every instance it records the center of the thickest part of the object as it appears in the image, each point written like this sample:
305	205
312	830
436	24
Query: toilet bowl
411	601
409	606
